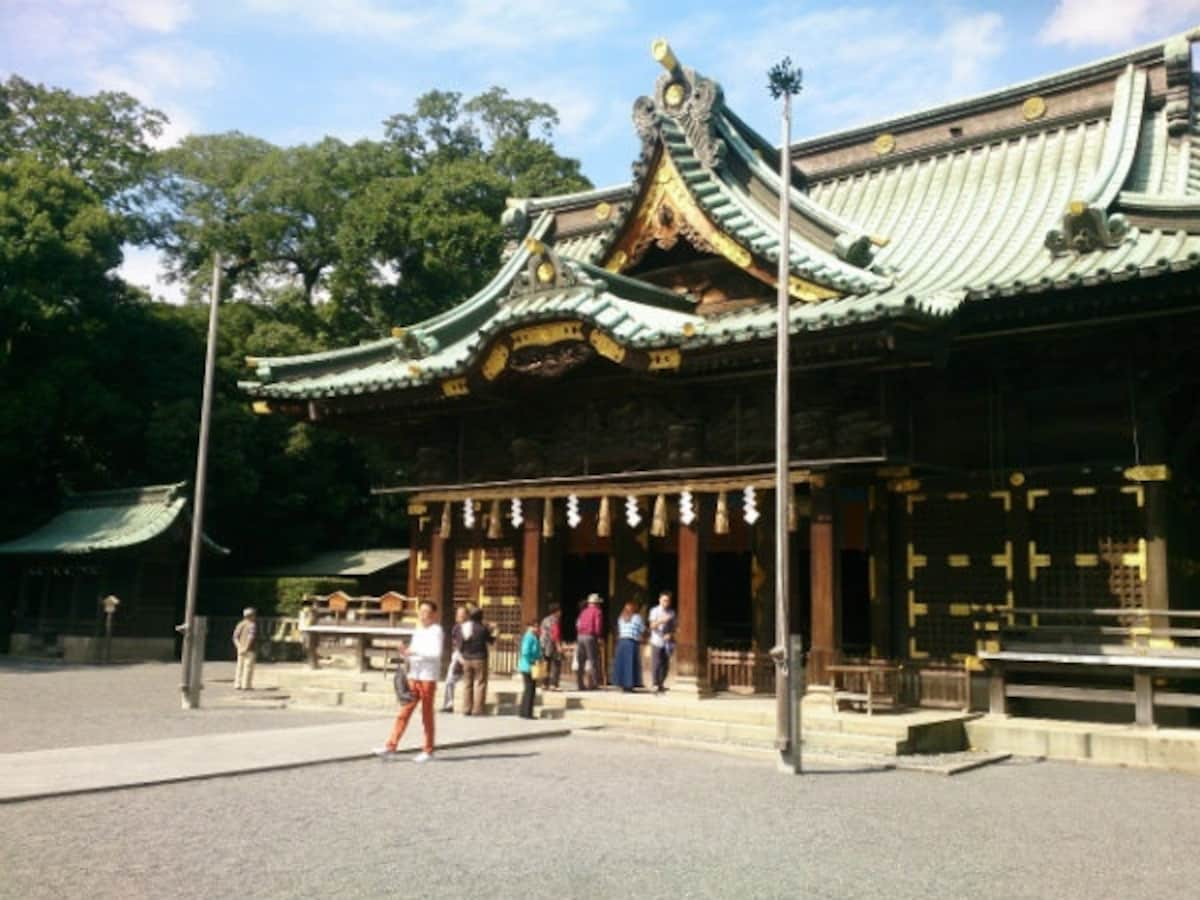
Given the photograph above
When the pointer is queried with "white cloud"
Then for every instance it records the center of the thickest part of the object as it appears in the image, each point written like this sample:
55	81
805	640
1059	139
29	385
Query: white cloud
871	62
163	16
452	25
143	266
1078	23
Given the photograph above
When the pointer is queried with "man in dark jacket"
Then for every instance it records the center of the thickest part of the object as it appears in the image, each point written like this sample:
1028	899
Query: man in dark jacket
475	639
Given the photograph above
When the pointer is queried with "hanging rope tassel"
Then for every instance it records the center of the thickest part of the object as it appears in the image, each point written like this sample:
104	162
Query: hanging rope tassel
721	523
603	526
658	522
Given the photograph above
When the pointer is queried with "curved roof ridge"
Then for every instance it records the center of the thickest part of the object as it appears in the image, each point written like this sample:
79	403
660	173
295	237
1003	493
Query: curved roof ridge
1040	84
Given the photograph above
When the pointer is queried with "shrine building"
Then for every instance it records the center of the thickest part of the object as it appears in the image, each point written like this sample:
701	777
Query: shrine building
994	332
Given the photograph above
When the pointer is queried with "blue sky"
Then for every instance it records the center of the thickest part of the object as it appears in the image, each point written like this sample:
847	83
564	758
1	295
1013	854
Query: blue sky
292	71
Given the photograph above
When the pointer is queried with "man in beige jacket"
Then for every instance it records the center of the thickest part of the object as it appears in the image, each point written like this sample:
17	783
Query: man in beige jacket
243	642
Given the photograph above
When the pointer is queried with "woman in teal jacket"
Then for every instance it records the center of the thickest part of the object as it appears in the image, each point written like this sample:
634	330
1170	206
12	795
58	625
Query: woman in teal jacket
531	654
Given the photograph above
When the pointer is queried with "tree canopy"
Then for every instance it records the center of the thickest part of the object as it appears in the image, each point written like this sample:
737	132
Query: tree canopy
324	244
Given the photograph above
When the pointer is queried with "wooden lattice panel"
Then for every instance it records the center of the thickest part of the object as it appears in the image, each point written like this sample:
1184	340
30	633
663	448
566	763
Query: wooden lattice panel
958	562
1087	547
500	589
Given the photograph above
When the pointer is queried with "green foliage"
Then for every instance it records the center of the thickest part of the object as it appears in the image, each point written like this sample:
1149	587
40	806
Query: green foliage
323	245
269	596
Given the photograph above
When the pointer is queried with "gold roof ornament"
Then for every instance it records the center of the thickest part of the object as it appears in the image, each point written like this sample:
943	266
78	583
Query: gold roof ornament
603	210
545	272
1033	108
665	57
884	144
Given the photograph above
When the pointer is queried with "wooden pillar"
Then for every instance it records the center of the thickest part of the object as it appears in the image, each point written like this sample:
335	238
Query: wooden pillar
691	664
441	584
879	575
826	605
531	561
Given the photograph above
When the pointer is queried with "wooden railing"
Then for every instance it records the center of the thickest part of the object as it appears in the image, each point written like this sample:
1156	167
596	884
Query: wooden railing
1084	650
741	671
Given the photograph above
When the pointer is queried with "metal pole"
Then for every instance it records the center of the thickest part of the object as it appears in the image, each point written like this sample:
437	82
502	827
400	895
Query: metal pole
190	688
783	691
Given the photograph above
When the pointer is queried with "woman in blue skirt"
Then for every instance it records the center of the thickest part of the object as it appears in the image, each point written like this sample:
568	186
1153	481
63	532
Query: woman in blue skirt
627	663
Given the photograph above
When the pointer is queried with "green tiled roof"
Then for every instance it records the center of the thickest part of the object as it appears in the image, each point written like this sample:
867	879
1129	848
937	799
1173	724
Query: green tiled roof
106	520
1106	188
348	563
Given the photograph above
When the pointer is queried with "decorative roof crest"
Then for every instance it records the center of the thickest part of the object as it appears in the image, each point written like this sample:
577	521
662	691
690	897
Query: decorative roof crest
689	98
545	270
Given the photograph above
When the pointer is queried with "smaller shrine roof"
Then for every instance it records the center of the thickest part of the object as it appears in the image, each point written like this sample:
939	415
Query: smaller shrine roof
107	520
347	563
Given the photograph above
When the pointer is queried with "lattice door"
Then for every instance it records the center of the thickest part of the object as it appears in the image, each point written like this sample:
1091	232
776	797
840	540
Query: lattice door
959	562
1087	547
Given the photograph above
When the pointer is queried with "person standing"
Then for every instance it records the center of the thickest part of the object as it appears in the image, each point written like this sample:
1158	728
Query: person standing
662	639
627	663
455	669
476	637
243	641
589	628
424	653
551	639
308	618
531	654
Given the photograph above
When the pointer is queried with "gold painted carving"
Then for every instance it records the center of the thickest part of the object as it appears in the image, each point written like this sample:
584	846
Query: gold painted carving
1137	559
495	362
1016	479
455	387
545	272
547	334
1033	108
1139	492
674	94
1083	491
1004	497
1036	561
1148	473
603	211
1005	561
665	359
1087	560
606	346
914	561
1034	496
261	407
958	560
668	212
884	144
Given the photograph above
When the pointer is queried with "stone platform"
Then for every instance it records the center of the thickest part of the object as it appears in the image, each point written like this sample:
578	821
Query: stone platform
1175	749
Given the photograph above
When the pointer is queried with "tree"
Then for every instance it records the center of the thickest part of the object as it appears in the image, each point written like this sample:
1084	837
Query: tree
104	140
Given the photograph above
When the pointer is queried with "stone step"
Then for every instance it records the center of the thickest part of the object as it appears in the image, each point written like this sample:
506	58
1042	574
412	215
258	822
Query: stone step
664	706
675	727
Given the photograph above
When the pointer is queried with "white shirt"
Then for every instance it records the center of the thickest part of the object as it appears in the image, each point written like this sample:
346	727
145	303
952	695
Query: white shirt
425	653
662	625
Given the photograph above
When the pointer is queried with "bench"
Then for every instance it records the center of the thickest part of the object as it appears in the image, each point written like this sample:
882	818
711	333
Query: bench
1151	650
875	682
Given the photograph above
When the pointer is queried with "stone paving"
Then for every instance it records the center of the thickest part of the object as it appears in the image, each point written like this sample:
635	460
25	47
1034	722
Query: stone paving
571	817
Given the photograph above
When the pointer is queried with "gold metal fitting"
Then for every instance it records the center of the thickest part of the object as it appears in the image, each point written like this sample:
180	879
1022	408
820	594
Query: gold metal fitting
663	55
534	246
674	94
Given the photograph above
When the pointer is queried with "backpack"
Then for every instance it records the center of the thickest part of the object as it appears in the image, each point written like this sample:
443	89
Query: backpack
400	682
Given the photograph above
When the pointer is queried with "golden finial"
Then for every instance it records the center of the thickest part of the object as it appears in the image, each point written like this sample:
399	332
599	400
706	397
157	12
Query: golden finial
663	55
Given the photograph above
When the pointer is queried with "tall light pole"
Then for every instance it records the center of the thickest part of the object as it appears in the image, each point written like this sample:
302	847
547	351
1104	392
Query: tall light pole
190	684
784	82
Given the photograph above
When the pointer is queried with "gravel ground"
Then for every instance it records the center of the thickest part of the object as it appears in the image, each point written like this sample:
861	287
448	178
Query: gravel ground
570	817
44	705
